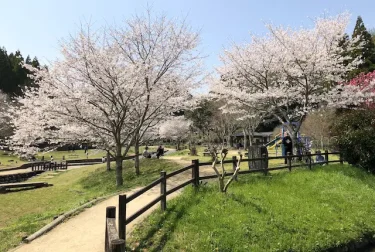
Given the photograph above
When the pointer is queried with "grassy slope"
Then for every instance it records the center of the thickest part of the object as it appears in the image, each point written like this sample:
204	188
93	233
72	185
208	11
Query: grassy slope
298	211
80	154
7	160
24	212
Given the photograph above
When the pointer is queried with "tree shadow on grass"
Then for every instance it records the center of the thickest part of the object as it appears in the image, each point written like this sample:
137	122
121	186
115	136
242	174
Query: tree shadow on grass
153	233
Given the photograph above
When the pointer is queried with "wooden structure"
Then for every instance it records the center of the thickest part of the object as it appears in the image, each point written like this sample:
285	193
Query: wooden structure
112	241
5	187
195	181
49	166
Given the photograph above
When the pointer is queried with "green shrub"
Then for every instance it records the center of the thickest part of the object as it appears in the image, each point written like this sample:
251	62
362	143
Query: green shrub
355	137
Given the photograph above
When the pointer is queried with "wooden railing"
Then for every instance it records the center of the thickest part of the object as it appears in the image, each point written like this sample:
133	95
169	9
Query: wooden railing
112	241
44	166
195	181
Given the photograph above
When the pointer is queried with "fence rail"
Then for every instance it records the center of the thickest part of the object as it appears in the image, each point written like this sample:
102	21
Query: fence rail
195	180
112	241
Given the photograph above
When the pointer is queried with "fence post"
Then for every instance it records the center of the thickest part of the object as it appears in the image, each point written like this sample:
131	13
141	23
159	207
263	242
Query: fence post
234	163
66	165
32	167
110	212
163	190
326	156
309	157
263	164
289	160
122	217
195	172
341	158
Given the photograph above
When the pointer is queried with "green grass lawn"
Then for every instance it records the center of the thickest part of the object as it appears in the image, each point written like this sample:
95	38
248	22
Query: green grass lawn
7	160
24	212
80	154
301	210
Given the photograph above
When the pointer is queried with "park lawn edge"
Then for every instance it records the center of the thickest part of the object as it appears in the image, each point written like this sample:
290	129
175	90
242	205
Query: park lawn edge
93	179
159	228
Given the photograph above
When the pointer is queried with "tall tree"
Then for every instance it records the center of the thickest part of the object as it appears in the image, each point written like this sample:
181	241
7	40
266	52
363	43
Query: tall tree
111	83
288	72
13	77
366	51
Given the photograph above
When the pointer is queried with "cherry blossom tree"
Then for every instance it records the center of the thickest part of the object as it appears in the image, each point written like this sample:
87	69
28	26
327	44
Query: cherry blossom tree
176	129
112	84
287	73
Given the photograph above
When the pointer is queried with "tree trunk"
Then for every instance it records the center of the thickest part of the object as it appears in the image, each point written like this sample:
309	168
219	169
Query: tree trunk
119	179
136	158
178	144
230	140
250	163
108	161
244	140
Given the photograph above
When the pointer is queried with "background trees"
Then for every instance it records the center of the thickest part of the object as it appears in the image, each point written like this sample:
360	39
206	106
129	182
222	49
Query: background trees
287	73
111	84
366	51
13	77
176	129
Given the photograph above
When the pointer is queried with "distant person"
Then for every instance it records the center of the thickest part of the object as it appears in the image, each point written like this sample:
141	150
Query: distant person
319	157
159	151
288	145
51	159
146	154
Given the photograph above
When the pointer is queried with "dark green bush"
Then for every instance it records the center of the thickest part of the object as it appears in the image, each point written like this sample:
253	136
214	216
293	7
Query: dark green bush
354	133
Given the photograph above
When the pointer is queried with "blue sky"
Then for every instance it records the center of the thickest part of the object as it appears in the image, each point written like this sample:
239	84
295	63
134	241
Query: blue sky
36	26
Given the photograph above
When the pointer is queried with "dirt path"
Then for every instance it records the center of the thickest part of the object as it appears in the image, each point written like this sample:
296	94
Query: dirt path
85	232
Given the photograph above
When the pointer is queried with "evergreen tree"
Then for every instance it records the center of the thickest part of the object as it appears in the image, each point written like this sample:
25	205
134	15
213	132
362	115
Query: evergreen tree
6	72
367	52
13	77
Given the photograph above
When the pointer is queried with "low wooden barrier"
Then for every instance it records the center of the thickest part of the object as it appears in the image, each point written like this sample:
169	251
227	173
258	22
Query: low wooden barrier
112	241
49	166
195	181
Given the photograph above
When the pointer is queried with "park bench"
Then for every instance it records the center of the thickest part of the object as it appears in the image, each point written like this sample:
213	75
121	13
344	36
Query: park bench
5	187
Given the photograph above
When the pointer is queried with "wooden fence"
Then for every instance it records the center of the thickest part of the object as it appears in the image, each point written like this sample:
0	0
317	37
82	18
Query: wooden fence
49	166
195	181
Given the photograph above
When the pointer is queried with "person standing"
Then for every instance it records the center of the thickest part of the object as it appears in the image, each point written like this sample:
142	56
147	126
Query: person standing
288	145
159	152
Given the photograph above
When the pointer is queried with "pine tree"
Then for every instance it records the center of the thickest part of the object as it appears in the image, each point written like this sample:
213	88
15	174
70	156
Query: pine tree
13	77
367	52
6	72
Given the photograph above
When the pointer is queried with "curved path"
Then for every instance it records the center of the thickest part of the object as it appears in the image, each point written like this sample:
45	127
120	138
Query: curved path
85	231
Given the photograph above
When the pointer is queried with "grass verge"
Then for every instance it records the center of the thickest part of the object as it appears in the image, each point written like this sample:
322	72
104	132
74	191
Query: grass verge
299	211
24	212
